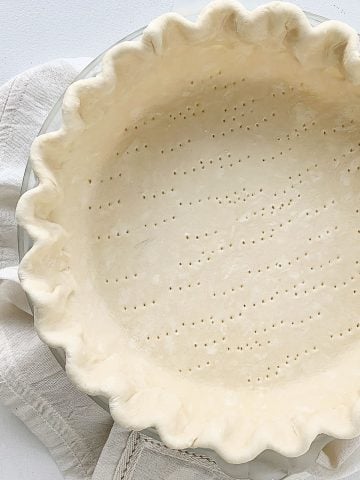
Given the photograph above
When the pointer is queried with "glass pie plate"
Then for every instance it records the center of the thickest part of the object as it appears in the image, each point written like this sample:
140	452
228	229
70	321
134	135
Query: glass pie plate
268	464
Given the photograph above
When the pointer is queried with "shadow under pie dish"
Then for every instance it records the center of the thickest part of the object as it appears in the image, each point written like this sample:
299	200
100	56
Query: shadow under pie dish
196	231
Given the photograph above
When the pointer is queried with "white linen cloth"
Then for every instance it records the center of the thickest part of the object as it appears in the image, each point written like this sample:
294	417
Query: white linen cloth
79	434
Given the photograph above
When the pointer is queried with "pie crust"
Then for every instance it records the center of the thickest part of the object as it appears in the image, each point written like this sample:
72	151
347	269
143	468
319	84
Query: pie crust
196	229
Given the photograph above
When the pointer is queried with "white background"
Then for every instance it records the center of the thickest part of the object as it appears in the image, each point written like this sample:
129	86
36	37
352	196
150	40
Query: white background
37	31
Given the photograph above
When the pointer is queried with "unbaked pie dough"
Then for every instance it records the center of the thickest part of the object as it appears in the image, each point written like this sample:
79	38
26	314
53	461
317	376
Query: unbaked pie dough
197	231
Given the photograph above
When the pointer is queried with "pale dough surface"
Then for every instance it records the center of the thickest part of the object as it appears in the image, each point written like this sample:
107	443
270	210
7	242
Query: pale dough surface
198	227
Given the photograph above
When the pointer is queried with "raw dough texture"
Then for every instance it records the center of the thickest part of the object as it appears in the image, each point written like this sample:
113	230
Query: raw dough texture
197	231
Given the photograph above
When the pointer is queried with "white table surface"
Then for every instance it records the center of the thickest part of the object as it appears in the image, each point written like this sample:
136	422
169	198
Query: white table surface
34	32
